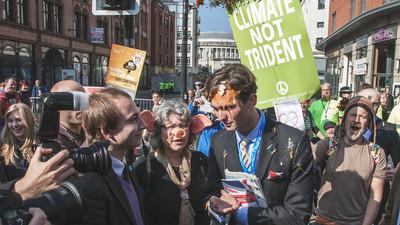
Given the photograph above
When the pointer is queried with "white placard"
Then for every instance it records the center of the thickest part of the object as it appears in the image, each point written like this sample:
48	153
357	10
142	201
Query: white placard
289	112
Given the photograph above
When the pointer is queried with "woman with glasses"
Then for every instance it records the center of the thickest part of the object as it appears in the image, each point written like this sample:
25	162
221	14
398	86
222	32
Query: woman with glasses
173	175
18	136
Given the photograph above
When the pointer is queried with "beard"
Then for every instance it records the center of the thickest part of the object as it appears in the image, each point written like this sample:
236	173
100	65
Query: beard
354	135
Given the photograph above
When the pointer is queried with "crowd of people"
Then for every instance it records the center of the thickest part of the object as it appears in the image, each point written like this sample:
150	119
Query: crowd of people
167	166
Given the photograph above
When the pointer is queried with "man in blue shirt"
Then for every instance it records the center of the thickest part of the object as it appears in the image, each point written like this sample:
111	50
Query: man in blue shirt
277	154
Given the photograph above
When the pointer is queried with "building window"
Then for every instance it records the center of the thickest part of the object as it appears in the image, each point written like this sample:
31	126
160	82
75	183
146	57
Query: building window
361	53
363	6
57	18
80	25
319	39
179	34
353	8
119	35
179	61
321	4
15	11
333	21
178	48
103	24
320	24
52	17
77	24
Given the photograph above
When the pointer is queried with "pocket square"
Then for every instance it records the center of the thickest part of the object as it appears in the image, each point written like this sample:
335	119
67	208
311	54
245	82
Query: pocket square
273	175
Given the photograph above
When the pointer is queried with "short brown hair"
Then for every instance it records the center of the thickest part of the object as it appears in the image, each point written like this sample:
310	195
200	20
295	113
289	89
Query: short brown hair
237	76
102	112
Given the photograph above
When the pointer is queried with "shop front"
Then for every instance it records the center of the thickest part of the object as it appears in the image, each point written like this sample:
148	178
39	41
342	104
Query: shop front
384	52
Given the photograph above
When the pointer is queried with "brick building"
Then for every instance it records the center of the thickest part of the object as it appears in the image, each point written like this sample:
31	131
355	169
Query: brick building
40	38
363	44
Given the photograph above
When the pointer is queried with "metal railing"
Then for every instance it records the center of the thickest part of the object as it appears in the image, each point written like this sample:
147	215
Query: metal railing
144	103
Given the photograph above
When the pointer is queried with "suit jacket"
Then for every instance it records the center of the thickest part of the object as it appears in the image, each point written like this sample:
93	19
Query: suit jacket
289	195
104	200
388	138
392	207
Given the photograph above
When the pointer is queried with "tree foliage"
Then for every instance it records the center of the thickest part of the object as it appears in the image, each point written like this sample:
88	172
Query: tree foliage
229	5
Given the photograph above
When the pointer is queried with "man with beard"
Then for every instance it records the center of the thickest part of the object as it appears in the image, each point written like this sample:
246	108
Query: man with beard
324	108
353	170
277	154
70	134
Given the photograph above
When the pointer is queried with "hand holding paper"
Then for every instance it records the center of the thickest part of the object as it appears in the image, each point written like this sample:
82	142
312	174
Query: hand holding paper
226	204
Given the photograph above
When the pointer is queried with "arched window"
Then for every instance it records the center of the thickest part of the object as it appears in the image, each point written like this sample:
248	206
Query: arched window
77	67
25	63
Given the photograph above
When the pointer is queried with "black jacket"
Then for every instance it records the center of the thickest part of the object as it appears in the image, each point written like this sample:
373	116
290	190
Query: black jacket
289	197
104	200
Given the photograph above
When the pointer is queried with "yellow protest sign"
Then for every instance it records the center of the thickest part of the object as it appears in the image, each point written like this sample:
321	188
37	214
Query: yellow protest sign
125	67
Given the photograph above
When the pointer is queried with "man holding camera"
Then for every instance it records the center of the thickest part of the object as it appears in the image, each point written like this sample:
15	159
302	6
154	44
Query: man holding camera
70	135
111	198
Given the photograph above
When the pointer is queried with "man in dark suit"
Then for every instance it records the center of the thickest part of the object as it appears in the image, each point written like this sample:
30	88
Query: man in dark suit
277	154
111	199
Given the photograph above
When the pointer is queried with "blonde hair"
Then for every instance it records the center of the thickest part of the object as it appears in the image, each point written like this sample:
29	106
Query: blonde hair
7	148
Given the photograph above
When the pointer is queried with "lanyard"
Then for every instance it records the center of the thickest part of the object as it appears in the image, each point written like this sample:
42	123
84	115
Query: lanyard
256	147
325	109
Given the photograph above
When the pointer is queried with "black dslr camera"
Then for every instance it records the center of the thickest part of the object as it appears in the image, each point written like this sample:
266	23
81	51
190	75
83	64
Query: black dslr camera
11	212
60	205
94	158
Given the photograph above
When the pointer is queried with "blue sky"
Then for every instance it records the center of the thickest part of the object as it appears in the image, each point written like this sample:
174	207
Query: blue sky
213	19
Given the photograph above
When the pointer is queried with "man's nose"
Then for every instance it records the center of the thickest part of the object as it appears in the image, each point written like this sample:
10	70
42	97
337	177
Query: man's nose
220	114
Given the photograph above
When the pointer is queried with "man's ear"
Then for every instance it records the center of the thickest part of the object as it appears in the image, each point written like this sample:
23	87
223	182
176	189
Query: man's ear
148	119
253	100
199	122
107	134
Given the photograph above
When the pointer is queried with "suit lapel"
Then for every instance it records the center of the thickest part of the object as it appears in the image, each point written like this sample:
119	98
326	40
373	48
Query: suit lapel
267	149
231	159
117	190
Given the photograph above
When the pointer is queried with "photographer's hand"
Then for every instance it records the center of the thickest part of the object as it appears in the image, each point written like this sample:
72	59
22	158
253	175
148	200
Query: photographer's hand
38	217
44	176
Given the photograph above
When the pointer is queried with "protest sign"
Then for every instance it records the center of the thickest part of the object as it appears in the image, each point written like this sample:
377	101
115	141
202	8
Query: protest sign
272	40
125	68
289	112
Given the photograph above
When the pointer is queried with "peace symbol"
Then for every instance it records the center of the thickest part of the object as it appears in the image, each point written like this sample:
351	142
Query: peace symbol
282	87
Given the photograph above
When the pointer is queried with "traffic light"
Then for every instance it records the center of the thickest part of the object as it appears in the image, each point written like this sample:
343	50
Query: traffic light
115	4
115	7
199	3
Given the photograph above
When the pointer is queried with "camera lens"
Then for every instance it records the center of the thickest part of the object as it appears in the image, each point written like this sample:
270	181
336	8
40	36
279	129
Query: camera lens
61	204
94	158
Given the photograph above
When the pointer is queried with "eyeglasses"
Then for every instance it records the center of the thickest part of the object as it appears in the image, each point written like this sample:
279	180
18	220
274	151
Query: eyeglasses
173	127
